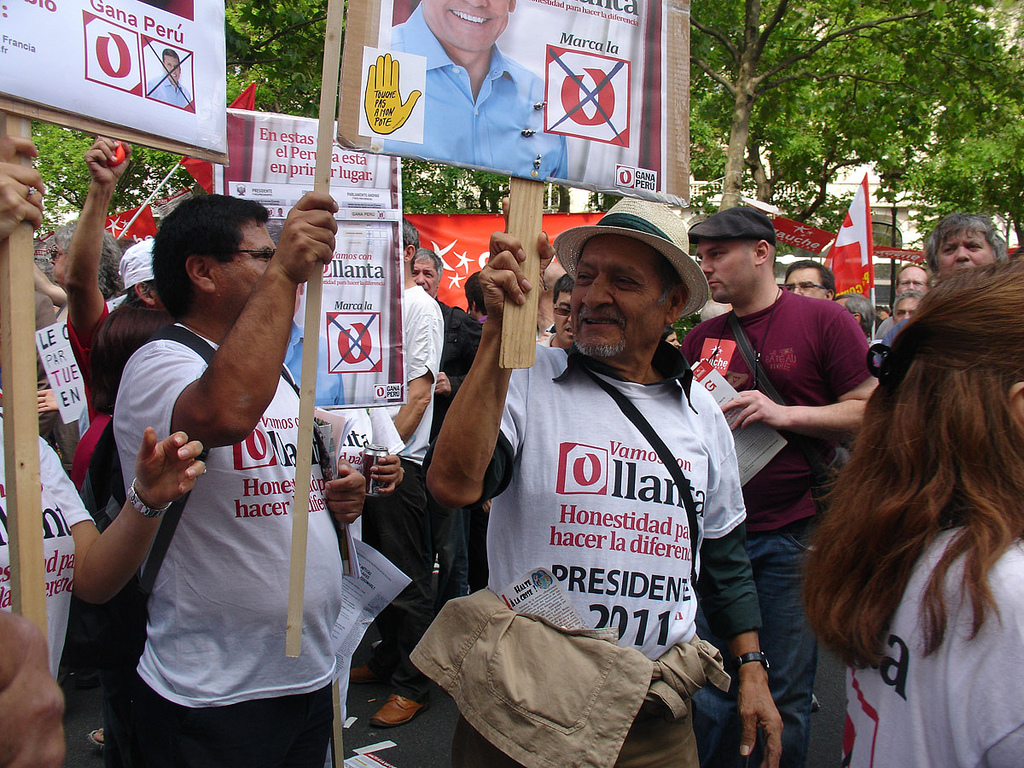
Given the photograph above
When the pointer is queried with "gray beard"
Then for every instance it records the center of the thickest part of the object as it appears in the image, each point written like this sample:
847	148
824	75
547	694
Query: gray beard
600	350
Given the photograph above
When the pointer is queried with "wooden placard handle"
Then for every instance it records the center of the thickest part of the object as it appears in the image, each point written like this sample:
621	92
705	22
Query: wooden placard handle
519	322
311	330
21	417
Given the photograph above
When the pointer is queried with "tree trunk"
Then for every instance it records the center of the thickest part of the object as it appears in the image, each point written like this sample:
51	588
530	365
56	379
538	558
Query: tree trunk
743	104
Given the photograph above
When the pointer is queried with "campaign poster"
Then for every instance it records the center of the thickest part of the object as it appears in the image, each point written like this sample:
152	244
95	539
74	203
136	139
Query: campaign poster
589	93
272	160
151	68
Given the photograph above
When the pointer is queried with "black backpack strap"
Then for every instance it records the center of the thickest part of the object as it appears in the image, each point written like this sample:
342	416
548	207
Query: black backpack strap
633	413
807	445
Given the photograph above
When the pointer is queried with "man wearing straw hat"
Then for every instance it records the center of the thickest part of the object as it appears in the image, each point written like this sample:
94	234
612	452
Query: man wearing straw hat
581	490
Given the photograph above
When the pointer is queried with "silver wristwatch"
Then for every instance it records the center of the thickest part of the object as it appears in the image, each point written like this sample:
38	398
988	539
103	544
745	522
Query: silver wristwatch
141	507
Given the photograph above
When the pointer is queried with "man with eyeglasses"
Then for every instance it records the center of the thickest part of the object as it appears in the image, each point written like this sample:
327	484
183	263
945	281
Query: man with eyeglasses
809	278
216	687
563	335
814	353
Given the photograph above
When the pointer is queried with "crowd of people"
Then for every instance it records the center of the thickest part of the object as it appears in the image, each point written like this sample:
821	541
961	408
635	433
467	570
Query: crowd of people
888	526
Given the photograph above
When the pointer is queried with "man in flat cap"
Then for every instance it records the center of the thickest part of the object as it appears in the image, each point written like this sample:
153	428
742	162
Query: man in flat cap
813	354
581	493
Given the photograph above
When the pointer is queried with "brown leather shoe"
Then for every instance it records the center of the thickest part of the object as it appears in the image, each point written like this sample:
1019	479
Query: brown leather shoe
362	675
397	710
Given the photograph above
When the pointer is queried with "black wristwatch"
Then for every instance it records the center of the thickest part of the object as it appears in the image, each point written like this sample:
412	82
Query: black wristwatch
746	658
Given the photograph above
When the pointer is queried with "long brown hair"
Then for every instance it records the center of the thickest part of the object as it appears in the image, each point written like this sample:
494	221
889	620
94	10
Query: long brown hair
940	447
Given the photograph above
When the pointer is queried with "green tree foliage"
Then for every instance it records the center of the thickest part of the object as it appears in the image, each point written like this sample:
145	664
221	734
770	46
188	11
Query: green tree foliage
61	163
785	96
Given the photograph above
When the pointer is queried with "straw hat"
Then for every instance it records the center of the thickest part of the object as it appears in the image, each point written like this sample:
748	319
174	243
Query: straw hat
652	223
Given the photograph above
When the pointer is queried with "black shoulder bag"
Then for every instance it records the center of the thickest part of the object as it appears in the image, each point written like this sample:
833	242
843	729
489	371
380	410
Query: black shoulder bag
822	473
632	413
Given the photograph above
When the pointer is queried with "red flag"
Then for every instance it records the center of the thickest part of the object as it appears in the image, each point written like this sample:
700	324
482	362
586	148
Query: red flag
246	99
851	257
134	224
462	241
201	170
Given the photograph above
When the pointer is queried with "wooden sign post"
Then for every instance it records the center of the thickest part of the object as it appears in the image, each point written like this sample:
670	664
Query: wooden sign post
21	417
519	321
314	293
307	389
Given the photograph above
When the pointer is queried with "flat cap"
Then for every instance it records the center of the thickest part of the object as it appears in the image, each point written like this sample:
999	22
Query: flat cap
735	223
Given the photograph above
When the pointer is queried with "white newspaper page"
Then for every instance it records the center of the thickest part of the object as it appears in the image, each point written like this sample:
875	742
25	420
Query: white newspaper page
538	593
757	443
363	597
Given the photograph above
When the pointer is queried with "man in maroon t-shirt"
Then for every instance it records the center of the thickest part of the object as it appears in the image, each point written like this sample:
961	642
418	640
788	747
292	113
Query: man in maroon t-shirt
815	355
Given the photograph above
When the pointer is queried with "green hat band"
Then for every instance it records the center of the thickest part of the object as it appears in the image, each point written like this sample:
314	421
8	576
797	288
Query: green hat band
634	222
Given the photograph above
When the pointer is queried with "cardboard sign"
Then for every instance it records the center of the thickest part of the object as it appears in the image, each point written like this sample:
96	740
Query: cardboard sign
150	71
61	370
584	92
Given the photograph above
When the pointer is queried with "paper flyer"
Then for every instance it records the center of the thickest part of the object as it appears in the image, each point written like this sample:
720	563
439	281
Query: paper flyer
757	443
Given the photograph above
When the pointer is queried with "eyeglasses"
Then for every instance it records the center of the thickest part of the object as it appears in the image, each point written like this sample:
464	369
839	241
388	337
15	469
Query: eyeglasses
803	286
562	311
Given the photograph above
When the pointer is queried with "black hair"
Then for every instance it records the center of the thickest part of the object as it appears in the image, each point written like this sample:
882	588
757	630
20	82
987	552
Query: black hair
826	276
564	284
208	225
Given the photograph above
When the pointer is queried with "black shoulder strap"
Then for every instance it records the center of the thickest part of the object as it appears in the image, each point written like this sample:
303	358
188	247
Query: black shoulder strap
819	469
633	413
172	516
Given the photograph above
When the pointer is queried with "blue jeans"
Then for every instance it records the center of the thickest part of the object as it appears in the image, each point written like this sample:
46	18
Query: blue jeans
792	651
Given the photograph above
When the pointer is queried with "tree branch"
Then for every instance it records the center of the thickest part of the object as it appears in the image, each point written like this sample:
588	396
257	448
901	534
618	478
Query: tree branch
713	75
762	39
786	63
717	35
260	45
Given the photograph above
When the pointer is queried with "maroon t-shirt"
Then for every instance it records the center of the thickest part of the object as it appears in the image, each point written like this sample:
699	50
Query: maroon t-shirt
815	352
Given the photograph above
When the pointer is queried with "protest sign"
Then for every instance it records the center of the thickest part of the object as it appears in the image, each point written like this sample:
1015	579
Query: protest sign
272	158
151	71
592	93
61	370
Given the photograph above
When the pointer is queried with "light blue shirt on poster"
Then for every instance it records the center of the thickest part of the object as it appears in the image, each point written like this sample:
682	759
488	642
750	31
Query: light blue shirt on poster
487	132
170	93
329	389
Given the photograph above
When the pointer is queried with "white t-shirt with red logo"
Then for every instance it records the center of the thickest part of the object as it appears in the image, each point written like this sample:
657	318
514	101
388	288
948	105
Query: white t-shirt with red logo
217	613
61	508
591	501
962	705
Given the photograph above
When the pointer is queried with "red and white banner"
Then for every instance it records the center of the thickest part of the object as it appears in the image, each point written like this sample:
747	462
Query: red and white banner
801	235
462	241
851	256
133	223
900	254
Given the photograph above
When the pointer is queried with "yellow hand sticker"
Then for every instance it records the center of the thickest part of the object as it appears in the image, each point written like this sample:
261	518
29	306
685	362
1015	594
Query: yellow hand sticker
385	110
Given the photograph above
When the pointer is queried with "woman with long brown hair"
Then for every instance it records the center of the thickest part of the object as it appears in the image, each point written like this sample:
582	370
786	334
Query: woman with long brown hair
916	575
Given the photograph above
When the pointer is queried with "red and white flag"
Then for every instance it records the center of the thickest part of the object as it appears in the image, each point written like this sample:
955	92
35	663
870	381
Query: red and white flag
851	257
136	224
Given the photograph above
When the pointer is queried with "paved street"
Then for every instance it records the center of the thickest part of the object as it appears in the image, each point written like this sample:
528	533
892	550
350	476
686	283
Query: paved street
426	742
